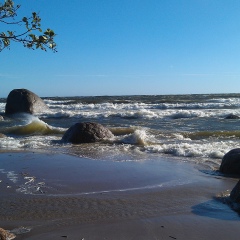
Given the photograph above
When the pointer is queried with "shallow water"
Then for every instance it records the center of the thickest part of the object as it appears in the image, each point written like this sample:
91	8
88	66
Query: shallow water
64	184
187	127
56	195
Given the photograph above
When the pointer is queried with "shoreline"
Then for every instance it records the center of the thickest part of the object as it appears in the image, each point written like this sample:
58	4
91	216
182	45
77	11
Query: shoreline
94	199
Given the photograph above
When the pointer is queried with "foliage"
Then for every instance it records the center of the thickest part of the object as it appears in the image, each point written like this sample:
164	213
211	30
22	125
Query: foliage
28	26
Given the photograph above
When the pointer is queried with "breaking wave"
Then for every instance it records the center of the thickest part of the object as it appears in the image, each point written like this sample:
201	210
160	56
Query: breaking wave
32	125
214	150
186	126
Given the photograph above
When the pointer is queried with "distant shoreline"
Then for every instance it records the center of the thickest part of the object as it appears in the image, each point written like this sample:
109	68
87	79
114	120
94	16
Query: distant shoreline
129	95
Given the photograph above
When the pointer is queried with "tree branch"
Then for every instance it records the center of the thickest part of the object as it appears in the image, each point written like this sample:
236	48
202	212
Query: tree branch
27	37
10	23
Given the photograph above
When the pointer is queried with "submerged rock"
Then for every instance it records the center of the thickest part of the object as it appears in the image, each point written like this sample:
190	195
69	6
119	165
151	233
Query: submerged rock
6	235
232	116
86	132
231	162
235	193
2	135
23	100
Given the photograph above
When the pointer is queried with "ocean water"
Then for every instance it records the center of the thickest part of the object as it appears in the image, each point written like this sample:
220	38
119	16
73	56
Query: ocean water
190	128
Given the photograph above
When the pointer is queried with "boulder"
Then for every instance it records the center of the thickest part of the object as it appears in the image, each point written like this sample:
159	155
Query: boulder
23	100
231	162
86	132
232	116
235	193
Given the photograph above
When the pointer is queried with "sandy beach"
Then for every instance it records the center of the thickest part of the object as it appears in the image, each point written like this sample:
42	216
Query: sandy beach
116	118
56	196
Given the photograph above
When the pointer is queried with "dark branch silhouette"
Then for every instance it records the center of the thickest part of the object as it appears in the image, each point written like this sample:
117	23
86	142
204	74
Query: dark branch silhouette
28	27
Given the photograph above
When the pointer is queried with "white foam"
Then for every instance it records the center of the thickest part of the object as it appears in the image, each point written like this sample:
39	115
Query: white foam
52	102
197	149
166	126
10	143
186	114
164	185
2	107
21	230
228	101
31	186
138	137
29	142
11	175
141	110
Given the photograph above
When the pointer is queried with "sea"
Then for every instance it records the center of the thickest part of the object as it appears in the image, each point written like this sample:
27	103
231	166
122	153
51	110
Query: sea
191	128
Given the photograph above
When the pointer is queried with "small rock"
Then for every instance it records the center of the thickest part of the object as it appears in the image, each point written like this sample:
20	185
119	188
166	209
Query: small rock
232	116
2	135
6	235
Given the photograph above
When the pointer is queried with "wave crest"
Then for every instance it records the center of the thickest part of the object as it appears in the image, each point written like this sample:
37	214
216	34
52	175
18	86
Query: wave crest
32	127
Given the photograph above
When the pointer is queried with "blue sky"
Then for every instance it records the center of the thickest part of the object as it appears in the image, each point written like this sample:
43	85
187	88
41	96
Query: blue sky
124	47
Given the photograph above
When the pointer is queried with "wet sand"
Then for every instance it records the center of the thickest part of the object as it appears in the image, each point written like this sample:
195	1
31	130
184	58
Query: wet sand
54	196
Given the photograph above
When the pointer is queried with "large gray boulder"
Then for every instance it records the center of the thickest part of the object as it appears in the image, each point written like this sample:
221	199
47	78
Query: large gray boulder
231	162
235	193
86	132
23	100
